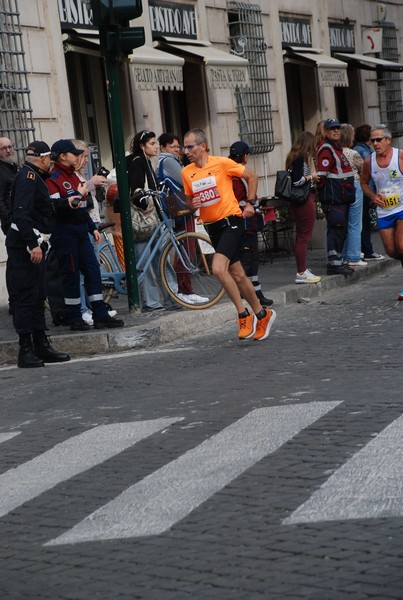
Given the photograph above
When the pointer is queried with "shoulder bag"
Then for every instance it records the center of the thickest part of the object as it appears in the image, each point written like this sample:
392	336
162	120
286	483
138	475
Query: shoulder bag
144	222
285	189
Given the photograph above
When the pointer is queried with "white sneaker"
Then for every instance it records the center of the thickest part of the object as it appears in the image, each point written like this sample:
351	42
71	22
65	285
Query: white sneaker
185	298
374	256
87	317
197	299
357	263
112	313
307	277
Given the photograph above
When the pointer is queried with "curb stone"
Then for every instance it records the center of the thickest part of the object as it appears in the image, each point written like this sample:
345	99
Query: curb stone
145	332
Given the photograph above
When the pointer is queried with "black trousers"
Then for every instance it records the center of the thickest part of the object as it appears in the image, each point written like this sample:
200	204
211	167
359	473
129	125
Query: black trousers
337	219
28	284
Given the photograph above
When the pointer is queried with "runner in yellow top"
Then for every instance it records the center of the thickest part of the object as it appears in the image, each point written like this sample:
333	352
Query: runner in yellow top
207	183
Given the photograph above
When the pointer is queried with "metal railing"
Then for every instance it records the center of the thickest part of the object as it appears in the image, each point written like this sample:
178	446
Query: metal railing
389	83
16	121
253	104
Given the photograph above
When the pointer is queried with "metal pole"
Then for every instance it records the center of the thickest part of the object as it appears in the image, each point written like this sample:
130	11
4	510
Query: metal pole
112	75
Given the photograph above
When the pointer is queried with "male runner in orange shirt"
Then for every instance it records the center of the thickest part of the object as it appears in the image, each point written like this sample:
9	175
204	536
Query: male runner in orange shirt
208	186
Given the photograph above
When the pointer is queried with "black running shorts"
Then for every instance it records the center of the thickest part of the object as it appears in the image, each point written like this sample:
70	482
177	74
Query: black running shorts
226	236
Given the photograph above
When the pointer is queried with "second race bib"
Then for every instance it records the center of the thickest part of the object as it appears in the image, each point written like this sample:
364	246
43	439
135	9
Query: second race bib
207	189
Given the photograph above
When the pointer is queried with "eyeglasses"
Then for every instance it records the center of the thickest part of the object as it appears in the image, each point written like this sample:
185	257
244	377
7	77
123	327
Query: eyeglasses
7	148
174	146
190	147
377	140
335	128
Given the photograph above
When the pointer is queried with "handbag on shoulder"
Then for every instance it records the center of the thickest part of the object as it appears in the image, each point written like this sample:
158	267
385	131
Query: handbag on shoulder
286	190
144	222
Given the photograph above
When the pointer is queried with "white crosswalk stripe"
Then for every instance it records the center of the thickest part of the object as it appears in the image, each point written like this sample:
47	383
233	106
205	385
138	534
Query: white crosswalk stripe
8	435
161	499
369	485
67	459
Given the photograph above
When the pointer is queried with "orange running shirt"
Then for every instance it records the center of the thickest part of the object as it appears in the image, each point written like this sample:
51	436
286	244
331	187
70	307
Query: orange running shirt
213	183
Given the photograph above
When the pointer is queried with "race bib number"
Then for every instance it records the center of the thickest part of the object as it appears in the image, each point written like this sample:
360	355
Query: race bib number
391	200
207	190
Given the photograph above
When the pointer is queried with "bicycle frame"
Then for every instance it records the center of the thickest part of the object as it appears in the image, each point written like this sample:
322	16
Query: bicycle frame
162	235
116	276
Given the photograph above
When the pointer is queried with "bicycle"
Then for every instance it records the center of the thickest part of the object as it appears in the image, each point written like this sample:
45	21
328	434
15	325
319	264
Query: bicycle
186	259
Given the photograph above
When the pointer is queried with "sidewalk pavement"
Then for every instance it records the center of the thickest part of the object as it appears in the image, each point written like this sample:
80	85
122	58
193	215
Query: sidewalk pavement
147	330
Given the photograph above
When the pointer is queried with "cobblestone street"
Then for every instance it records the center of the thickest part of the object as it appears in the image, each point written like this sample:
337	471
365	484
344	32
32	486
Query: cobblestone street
213	468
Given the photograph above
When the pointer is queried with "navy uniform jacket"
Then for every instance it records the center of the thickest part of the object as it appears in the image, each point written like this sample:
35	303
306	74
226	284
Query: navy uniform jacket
62	181
31	208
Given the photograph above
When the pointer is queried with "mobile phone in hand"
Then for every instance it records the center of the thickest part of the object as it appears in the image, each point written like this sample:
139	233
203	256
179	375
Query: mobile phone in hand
103	171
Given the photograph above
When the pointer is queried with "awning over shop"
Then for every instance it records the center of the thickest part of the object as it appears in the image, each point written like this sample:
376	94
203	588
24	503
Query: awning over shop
224	70
331	72
76	40
152	69
369	62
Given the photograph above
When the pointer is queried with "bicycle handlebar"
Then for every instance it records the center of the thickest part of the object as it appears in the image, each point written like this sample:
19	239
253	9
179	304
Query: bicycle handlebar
103	226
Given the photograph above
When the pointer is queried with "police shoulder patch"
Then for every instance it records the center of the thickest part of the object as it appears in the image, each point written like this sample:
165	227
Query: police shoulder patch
31	175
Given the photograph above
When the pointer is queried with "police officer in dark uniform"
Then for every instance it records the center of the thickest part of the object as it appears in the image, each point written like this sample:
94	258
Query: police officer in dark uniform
71	242
32	216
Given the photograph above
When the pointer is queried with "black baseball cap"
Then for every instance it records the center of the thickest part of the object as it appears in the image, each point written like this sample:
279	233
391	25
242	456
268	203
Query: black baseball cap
64	146
331	124
239	149
37	148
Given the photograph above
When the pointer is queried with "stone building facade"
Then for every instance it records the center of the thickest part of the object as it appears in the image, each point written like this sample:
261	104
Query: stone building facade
258	71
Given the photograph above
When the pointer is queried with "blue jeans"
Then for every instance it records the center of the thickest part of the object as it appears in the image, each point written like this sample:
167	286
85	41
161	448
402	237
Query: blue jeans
152	292
352	245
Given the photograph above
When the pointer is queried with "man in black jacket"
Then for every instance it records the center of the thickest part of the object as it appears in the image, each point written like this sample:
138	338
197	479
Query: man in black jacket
8	171
32	216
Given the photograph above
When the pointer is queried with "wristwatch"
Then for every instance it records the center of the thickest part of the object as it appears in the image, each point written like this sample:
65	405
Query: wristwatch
254	202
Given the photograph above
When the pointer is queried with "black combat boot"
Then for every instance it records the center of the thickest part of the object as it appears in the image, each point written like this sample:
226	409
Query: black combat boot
262	298
45	351
27	359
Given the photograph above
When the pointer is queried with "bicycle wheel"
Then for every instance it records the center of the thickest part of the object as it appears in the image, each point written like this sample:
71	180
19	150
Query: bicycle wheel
187	274
105	265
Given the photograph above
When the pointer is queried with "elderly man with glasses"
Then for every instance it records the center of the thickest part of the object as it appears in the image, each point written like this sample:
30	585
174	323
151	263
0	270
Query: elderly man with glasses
385	167
336	192
8	171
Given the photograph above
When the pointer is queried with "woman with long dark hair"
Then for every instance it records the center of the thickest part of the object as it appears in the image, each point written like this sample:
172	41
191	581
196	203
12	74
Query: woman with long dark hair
300	161
143	148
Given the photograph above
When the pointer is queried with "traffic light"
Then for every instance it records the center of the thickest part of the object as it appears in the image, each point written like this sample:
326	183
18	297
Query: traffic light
112	19
115	12
121	41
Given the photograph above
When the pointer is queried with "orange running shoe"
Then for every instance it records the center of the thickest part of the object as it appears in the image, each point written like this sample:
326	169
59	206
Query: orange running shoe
247	327
264	325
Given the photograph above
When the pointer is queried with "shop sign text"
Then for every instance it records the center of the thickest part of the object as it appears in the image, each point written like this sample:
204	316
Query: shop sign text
295	32
157	77
172	20
228	77
333	77
341	37
74	13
